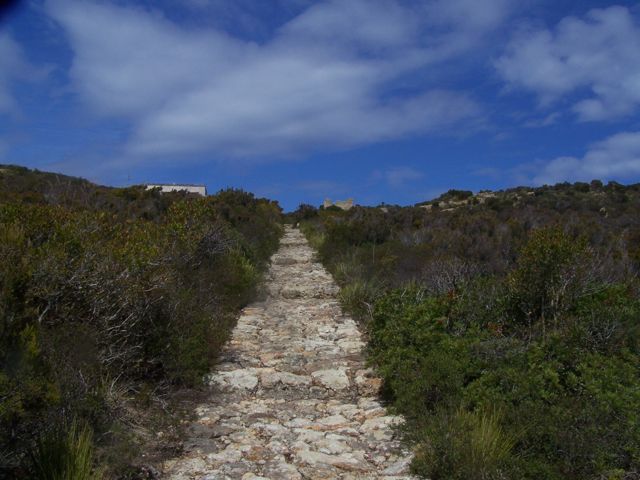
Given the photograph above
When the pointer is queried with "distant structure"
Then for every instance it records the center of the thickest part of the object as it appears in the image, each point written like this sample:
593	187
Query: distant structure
343	204
173	187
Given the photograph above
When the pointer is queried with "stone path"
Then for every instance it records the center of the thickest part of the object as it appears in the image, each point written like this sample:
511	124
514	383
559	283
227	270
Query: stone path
292	397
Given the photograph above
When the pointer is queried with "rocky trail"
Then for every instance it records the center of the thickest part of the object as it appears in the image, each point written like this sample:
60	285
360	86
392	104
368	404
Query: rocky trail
292	398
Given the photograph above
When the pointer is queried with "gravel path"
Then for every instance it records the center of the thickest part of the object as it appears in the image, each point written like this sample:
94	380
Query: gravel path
292	398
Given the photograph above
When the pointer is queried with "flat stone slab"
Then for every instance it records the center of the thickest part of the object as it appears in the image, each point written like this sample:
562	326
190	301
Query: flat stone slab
292	398
335	379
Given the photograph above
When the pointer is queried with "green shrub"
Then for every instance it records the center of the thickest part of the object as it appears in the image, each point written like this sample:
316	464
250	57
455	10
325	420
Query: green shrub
552	273
455	195
606	321
422	366
303	213
566	403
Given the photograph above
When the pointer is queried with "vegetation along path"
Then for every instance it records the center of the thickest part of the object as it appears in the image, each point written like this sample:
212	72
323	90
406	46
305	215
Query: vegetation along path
292	397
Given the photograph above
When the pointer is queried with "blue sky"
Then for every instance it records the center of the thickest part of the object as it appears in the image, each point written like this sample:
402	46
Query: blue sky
389	101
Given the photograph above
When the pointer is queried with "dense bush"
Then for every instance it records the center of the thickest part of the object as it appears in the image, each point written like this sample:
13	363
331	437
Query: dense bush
552	274
302	213
509	343
96	305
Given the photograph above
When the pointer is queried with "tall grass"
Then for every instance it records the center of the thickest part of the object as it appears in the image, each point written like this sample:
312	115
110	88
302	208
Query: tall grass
347	270
314	237
466	445
65	453
358	297
488	445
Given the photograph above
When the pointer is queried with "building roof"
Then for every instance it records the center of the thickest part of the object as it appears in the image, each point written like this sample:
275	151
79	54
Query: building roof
177	184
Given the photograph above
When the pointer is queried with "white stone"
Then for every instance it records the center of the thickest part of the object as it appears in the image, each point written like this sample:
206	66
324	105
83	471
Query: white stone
346	461
252	476
333	444
270	379
242	379
335	379
309	436
399	467
230	454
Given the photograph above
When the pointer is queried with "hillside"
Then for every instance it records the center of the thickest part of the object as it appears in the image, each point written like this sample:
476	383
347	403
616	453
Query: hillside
505	325
111	302
25	186
579	196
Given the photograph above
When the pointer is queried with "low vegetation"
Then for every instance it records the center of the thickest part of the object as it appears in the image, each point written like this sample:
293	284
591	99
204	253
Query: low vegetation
109	300
506	327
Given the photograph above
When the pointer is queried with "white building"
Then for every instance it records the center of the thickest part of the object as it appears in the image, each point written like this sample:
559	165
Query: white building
173	187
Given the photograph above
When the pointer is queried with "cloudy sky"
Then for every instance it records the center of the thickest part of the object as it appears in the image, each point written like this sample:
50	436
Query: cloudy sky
383	100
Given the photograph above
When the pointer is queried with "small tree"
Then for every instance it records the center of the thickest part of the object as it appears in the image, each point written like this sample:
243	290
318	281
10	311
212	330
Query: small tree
553	271
303	212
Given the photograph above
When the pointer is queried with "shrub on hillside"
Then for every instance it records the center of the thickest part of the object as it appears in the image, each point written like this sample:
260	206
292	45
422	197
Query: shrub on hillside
511	346
553	272
303	213
421	364
88	299
558	398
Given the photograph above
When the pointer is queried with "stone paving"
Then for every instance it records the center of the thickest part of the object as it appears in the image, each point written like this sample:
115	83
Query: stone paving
292	398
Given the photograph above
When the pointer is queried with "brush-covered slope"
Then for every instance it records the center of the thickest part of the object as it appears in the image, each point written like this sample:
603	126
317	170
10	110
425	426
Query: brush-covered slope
111	299
506	325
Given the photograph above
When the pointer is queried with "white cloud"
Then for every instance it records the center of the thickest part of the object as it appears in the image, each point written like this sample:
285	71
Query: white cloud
13	66
617	157
546	121
475	15
322	79
378	25
596	58
130	62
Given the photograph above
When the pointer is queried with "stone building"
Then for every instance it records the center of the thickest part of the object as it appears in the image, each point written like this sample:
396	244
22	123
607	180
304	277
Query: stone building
343	204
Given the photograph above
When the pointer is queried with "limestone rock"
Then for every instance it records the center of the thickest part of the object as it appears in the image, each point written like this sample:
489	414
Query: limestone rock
335	379
270	379
241	379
